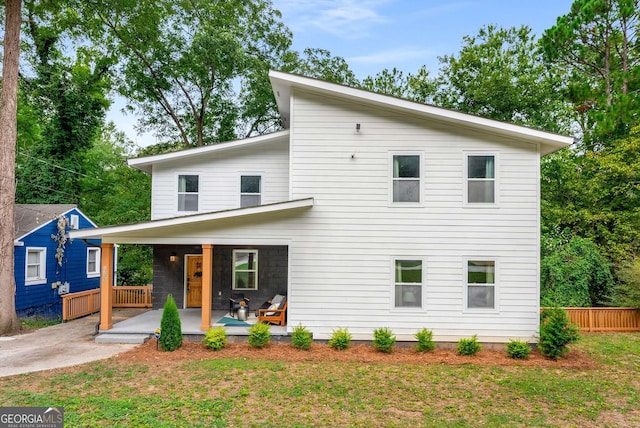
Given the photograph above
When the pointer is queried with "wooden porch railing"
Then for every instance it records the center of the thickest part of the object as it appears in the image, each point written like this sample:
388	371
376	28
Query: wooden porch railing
76	305
605	319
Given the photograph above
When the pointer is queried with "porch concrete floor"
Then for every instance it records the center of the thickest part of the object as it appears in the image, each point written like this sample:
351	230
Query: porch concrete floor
147	322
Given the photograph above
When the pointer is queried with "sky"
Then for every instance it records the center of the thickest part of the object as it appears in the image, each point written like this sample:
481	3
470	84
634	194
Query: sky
372	35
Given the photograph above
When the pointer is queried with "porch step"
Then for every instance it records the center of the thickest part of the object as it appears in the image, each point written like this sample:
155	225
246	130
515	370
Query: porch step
122	338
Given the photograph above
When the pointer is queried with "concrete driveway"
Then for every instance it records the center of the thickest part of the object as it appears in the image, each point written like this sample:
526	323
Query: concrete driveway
61	345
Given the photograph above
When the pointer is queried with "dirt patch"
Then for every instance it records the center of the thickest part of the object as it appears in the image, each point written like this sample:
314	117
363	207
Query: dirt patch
147	354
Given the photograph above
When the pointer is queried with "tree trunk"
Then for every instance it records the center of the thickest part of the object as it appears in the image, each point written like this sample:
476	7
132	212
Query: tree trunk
8	135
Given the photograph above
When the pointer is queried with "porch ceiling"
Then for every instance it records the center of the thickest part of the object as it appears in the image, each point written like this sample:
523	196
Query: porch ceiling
174	229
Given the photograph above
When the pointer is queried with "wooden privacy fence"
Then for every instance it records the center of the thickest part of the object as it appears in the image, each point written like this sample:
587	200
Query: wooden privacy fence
605	319
76	305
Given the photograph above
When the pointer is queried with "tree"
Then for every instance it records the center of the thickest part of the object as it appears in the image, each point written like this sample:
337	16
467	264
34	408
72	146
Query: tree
194	70
320	64
597	41
8	135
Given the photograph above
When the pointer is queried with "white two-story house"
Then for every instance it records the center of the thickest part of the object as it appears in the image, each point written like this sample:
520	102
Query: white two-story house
366	210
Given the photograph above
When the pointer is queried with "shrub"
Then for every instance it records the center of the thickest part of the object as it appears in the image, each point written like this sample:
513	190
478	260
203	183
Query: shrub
170	326
215	338
556	333
259	335
383	340
425	340
518	349
469	346
340	339
301	338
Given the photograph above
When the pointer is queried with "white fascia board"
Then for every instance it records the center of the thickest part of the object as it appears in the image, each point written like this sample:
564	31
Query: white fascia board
146	163
101	232
283	83
17	243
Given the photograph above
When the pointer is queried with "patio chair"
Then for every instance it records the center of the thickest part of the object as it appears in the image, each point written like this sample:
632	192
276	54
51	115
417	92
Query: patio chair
276	313
235	302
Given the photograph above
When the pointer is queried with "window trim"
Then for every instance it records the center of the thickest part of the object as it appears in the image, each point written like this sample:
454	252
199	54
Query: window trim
178	192
96	273
42	278
496	179
234	270
241	193
420	178
392	280
495	285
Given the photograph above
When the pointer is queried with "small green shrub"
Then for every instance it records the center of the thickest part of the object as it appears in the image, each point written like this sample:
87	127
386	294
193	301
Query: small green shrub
215	338
469	346
425	340
259	335
383	340
556	333
518	349
170	326
301	338
340	339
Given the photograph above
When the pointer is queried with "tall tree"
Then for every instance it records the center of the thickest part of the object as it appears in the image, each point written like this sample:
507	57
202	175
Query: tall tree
193	70
8	135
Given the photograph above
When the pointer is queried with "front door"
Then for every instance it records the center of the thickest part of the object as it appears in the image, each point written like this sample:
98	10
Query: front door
194	281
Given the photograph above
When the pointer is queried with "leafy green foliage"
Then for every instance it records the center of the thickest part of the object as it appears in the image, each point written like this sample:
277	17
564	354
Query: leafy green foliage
469	346
170	326
340	339
574	274
301	338
425	340
215	338
383	340
627	292
518	349
556	333
259	335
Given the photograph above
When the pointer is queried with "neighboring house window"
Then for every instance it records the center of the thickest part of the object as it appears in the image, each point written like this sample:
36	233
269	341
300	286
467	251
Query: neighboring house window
406	178
245	269
187	193
74	221
481	179
481	284
36	266
250	190
408	283
93	262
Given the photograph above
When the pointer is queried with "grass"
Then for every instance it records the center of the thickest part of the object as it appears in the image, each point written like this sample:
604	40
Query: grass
252	393
34	323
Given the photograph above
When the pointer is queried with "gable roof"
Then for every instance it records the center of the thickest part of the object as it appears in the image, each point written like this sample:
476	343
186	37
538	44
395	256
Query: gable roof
30	217
284	85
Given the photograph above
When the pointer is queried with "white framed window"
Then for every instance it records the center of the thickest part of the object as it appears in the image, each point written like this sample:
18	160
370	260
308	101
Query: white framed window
250	190
408	282
93	262
481	283
74	221
481	178
245	269
35	266
188	187
406	178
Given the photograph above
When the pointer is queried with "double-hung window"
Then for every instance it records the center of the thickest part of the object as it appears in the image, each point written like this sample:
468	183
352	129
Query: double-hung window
250	190
188	192
36	266
481	178
481	284
245	269
408	283
406	178
93	262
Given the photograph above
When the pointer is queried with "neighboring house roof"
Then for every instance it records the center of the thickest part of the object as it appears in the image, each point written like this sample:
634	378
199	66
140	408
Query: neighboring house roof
150	231
29	217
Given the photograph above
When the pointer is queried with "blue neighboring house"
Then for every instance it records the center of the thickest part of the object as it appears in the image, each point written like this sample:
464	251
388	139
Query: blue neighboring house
47	263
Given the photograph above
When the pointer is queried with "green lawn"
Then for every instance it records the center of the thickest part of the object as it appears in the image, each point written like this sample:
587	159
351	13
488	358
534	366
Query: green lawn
247	392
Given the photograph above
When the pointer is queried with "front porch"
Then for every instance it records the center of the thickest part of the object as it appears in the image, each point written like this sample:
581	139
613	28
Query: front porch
140	328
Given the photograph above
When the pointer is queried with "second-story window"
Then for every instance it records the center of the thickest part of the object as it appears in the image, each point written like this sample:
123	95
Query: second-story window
187	193
481	179
250	190
406	178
